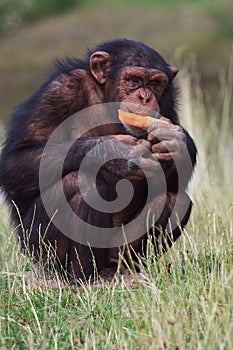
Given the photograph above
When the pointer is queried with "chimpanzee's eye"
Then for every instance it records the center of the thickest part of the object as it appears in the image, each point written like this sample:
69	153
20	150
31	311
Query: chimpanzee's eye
154	85
133	83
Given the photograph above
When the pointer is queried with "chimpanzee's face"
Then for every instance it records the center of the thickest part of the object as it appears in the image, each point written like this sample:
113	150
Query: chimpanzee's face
139	91
137	81
141	87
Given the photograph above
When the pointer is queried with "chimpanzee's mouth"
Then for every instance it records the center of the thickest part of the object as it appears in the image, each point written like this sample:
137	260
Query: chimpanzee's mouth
142	112
136	109
139	109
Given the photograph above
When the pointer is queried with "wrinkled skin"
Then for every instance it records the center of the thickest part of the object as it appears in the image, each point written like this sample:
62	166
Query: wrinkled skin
136	77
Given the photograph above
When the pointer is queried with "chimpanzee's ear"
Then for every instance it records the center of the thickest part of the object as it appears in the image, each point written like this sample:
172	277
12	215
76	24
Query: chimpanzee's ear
174	70
99	62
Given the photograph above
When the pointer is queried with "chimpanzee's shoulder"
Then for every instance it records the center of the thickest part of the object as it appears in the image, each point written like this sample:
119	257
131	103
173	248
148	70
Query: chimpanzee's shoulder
66	67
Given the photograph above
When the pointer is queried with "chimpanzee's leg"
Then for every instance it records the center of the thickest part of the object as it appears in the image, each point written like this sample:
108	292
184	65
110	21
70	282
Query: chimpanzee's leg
164	220
49	245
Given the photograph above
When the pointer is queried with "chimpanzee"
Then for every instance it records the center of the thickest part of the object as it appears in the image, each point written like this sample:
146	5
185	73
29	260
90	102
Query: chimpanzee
137	79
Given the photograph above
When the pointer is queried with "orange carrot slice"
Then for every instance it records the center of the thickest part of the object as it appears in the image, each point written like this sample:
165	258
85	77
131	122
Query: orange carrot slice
141	121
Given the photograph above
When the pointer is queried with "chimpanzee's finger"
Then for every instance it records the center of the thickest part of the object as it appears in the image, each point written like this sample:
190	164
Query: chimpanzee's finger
161	134
165	146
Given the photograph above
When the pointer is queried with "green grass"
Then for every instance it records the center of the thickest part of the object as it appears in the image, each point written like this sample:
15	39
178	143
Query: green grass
187	300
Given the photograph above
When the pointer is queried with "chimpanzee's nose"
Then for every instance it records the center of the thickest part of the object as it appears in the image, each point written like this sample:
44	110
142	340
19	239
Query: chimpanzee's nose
144	96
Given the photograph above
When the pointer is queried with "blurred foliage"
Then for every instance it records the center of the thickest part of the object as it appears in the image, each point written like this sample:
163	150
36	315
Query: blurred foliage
223	17
199	31
13	13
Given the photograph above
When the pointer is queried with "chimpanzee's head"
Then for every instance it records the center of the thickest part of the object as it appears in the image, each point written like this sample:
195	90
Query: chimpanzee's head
135	75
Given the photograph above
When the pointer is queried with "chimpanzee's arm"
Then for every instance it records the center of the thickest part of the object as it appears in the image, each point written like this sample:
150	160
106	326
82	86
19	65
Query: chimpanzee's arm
31	126
25	163
20	168
177	181
174	148
191	148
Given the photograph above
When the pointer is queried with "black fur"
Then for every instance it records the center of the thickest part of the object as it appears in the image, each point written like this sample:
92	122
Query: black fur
69	88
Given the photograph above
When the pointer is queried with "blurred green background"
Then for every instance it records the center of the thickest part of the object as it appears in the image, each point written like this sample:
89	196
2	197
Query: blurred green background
34	32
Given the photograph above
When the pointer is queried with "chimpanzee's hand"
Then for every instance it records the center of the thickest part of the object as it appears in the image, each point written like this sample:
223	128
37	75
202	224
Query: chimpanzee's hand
168	141
132	162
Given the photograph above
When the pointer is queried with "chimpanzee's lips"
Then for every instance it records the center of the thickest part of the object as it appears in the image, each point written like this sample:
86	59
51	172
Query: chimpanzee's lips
140	110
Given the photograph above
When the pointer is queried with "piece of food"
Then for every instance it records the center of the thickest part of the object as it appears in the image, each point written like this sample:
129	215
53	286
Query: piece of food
141	121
